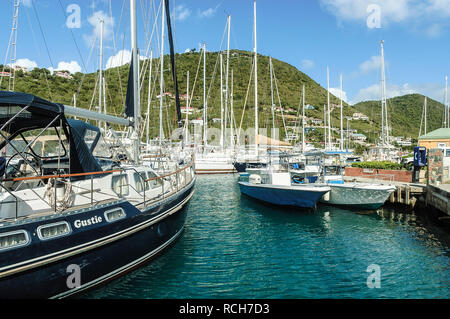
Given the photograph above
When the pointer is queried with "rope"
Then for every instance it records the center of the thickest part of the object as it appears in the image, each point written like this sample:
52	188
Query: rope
67	200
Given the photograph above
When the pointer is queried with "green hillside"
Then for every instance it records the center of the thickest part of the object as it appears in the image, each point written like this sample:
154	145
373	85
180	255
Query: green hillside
289	80
405	112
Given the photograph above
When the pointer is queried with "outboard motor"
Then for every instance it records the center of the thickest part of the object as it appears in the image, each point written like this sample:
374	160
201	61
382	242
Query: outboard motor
255	179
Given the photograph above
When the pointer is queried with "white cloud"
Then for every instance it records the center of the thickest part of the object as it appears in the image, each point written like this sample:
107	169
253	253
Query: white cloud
374	63
373	92
27	3
121	58
208	13
26	63
368	66
181	13
351	10
94	21
425	16
337	93
307	64
72	67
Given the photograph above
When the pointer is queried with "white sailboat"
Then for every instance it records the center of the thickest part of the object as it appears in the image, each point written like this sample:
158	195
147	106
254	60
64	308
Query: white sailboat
384	150
213	159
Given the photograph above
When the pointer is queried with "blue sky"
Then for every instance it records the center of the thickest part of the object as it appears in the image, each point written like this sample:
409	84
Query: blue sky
308	34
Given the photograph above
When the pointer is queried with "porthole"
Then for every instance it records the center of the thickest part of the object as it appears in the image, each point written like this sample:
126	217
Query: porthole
14	239
114	215
55	230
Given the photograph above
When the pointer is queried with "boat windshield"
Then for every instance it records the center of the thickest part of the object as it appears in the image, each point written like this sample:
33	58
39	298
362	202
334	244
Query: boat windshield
49	143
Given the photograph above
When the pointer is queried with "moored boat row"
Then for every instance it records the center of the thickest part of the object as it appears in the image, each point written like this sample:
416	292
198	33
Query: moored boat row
280	184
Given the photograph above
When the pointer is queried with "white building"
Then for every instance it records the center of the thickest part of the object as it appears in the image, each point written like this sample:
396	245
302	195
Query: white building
359	137
360	116
65	75
185	110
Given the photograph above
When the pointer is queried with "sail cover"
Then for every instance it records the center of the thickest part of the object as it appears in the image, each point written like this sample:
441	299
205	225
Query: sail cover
129	102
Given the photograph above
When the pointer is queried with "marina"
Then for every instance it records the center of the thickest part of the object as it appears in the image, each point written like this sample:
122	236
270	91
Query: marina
217	172
238	248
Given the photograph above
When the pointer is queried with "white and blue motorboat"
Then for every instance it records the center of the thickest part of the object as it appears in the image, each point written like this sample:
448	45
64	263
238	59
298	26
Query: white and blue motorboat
327	168
275	187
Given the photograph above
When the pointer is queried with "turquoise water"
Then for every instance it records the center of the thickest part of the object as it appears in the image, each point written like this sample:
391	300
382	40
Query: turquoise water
234	247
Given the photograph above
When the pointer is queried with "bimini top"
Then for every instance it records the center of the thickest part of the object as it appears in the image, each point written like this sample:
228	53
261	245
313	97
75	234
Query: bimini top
36	112
22	112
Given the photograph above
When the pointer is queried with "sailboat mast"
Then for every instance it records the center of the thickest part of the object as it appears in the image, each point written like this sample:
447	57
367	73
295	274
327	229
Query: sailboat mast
221	104
231	112
100	91
425	114
13	43
149	99
446	103
161	84
104	103
342	118
384	137
135	57
227	75
187	110
329	111
271	94
256	79
205	103
325	125
303	119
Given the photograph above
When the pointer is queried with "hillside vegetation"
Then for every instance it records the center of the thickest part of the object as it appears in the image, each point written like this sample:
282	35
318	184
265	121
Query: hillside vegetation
405	112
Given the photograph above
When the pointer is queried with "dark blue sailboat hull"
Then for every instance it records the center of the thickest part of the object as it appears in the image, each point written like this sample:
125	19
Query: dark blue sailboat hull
100	251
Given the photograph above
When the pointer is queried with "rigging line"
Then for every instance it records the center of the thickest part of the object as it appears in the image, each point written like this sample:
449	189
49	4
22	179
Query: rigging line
73	37
84	74
115	46
146	62
39	53
146	15
94	94
42	33
155	24
279	101
188	104
144	18
148	47
144	66
246	99
7	51
298	114
217	62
